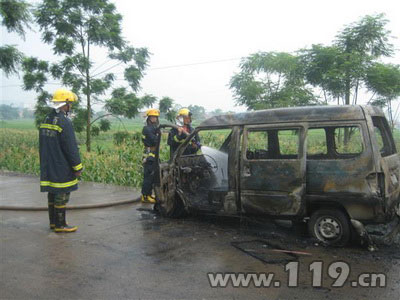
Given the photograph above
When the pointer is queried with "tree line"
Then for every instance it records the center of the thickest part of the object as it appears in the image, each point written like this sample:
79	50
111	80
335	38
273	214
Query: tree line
338	73
10	112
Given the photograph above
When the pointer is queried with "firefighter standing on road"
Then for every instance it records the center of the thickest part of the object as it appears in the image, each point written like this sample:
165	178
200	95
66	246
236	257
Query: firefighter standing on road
150	135
177	136
60	163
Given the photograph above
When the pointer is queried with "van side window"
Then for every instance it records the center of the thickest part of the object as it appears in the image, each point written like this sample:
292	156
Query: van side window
273	144
215	138
334	142
316	143
348	140
383	136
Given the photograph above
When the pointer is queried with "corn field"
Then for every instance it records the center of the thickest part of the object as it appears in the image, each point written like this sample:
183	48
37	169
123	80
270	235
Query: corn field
120	161
119	164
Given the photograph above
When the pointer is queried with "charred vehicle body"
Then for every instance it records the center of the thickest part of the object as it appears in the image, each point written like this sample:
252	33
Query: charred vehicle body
334	167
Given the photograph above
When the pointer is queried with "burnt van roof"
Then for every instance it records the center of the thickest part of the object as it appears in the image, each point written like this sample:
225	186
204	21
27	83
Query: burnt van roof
293	114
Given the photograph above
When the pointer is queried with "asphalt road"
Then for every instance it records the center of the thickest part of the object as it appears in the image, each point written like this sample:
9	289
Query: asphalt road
128	252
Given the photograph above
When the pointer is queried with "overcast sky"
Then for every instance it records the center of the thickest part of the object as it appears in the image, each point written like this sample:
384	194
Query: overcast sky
196	46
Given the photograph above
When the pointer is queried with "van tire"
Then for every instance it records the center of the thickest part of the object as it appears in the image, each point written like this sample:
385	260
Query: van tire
330	227
175	208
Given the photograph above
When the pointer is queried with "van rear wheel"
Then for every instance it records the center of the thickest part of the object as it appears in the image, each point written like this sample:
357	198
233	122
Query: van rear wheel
330	226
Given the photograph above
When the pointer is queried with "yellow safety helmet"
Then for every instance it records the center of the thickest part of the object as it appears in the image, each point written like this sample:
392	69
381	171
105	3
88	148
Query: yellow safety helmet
152	112
184	112
63	95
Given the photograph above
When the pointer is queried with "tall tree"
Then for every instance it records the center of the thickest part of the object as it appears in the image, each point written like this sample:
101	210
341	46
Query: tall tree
340	70
166	107
322	67
15	16
384	81
74	29
361	44
199	112
270	79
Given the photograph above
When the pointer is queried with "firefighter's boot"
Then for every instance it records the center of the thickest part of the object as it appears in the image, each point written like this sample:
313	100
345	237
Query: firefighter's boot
61	224
148	199
52	215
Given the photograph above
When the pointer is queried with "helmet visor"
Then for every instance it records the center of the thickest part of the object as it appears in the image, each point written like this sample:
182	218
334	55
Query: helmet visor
57	105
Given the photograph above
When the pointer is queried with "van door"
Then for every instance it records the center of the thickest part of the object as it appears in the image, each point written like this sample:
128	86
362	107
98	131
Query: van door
341	169
272	170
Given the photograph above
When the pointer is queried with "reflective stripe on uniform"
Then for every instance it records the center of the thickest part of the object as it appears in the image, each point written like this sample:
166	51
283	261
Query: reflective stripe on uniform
59	184
148	154
77	167
177	140
60	206
51	127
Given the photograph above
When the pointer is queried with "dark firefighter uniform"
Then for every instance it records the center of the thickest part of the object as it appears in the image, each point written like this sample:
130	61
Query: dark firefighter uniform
59	155
59	159
150	135
175	140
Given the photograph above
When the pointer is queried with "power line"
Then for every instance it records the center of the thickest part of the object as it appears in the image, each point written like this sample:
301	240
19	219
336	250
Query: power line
177	66
98	67
112	67
194	64
158	68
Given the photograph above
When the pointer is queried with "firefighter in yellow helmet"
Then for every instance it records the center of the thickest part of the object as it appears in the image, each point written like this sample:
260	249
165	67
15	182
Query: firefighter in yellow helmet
177	136
150	136
60	162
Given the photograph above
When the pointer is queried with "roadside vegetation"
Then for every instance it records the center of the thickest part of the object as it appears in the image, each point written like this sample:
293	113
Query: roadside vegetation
116	156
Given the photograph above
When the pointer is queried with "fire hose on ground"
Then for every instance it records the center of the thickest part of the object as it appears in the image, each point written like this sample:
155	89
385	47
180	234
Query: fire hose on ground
70	207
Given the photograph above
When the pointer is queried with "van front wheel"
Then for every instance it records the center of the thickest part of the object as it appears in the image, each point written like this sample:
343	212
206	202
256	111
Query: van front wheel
172	208
330	226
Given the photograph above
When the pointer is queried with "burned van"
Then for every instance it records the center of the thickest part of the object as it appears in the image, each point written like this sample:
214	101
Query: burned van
334	167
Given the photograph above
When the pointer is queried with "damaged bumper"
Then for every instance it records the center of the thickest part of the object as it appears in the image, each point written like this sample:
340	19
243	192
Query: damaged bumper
394	231
387	238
